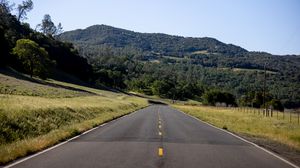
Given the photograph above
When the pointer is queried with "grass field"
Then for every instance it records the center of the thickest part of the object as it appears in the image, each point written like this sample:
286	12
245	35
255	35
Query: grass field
276	134
280	130
36	114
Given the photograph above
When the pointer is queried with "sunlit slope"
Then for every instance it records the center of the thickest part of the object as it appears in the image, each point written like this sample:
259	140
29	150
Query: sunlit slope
35	114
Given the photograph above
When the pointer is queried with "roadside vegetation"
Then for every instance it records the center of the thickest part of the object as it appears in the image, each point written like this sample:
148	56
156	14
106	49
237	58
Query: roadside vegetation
283	131
32	122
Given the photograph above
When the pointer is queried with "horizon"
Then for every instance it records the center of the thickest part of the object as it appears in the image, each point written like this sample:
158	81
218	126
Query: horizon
262	26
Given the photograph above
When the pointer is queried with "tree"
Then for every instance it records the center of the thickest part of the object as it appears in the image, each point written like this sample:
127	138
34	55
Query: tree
275	104
212	97
162	88
48	27
59	29
4	50
33	57
23	8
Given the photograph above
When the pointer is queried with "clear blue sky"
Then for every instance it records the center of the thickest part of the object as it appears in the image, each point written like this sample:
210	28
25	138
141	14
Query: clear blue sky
256	25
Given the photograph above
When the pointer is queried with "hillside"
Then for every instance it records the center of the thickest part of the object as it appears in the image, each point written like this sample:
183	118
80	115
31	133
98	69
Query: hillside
132	60
36	114
150	44
106	40
61	56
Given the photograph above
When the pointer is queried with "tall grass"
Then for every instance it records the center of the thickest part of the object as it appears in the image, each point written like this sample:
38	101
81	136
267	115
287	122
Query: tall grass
279	130
36	87
37	114
29	124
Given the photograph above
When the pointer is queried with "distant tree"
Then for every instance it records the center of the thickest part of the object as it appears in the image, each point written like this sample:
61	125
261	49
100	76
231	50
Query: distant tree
4	50
33	57
275	104
48	27
162	88
23	8
212	97
59	29
255	99
117	79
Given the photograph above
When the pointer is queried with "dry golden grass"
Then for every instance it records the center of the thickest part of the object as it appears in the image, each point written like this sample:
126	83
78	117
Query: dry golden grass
279	130
32	122
15	103
27	146
41	122
17	85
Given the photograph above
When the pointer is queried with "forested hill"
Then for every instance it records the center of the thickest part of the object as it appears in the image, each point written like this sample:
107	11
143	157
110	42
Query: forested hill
185	67
101	40
149	43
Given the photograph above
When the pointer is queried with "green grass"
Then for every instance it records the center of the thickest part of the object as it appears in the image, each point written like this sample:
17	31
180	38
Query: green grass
279	130
36	115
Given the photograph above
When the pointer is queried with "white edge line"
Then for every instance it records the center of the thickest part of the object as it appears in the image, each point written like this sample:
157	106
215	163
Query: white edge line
41	152
64	142
265	150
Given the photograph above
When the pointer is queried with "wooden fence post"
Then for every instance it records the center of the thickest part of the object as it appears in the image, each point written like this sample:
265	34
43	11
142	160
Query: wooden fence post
271	112
298	117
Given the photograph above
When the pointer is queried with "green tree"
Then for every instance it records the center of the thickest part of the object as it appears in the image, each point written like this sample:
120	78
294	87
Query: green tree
212	97
33	57
162	88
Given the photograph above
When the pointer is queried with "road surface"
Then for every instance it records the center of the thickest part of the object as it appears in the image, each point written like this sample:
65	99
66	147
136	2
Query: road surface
155	137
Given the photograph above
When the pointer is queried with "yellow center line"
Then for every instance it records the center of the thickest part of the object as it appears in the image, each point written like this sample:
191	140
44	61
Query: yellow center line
160	152
160	149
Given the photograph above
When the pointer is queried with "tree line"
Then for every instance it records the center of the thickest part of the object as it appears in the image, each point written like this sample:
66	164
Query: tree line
182	81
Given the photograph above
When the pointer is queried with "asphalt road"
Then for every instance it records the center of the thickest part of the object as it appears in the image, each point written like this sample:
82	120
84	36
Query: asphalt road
155	137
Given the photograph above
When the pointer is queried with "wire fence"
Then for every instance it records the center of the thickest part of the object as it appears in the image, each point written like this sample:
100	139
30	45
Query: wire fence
292	116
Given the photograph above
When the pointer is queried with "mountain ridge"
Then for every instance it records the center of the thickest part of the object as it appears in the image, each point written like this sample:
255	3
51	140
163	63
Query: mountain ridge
157	42
65	37
103	40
